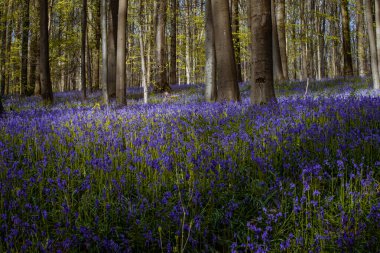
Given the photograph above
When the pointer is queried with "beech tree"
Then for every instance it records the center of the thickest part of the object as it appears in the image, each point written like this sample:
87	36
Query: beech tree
262	90
226	78
120	64
46	88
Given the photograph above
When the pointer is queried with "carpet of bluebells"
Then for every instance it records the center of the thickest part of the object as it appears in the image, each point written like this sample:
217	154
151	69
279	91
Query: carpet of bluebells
183	175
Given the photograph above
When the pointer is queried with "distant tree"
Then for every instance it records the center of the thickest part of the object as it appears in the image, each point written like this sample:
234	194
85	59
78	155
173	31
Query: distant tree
262	90
46	88
173	41
227	85
1	106
120	55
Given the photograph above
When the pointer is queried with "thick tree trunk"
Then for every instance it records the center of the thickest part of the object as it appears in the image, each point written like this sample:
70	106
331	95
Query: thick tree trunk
96	55
360	38
173	43
262	84
24	49
120	64
46	87
347	55
83	49
228	88
372	44
210	69
103	20
162	84
280	17
188	43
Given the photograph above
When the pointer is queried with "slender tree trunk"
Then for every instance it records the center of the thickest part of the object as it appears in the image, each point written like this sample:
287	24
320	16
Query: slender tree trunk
96	85
277	63
280	17
112	40
262	85
3	34
228	88
162	84
173	43
236	38
120	64
360	38
83	49
211	91
103	19
142	55
377	20
188	42
46	87
24	49
372	43
348	68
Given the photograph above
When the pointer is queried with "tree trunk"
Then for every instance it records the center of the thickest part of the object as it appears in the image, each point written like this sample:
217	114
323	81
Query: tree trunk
3	34
24	49
262	84
377	20
277	63
360	38
372	44
211	91
280	17
120	64
173	43
162	84
46	87
83	49
236	38
347	56
227	85
142	56
103	20
112	40
188	42
96	85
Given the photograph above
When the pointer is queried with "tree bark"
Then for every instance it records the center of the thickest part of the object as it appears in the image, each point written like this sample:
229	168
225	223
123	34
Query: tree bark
236	38
262	90
46	87
173	43
103	18
372	44
347	55
228	88
83	48
210	69
120	64
3	34
280	17
142	56
24	49
277	63
360	38
112	41
377	20
162	84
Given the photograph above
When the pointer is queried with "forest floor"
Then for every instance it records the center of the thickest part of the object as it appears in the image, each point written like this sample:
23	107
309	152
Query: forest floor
183	175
